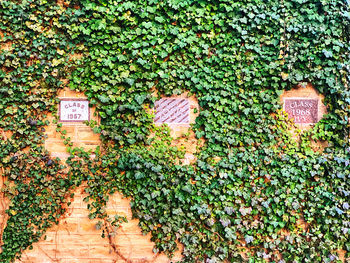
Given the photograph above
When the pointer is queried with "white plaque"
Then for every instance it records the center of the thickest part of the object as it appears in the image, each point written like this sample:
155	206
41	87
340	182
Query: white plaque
74	110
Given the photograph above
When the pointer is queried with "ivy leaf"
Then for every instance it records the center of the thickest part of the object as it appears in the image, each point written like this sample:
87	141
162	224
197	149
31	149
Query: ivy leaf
103	98
327	53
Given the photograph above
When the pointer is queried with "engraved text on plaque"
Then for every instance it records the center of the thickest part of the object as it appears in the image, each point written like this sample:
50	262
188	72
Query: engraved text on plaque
74	110
302	110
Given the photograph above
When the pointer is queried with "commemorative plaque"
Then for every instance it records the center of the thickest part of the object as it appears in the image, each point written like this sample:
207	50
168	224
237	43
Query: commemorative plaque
172	111
303	111
74	110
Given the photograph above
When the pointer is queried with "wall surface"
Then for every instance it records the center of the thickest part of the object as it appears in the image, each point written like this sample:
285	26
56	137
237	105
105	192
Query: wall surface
76	238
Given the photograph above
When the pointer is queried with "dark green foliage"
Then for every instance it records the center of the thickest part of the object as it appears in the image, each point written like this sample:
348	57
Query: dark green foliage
252	181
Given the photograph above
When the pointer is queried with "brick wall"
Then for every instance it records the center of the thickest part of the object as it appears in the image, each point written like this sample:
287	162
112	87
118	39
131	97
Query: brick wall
76	238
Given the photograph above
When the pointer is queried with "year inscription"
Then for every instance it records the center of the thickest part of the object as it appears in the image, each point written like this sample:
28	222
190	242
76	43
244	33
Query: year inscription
74	110
302	110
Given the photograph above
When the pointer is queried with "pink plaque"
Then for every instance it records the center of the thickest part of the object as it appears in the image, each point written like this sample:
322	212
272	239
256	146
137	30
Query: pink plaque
172	111
74	110
303	111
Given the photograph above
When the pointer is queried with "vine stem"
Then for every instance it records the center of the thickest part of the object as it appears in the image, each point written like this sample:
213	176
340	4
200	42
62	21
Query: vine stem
115	248
3	206
3	202
112	244
216	233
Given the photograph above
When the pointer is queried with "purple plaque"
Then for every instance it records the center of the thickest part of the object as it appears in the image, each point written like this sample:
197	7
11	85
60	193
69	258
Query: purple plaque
172	111
302	110
74	110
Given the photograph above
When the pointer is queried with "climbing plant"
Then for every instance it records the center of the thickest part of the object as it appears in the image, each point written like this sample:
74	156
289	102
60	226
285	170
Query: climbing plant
256	191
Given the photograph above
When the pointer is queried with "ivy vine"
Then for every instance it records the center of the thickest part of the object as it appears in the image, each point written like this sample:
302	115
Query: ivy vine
255	192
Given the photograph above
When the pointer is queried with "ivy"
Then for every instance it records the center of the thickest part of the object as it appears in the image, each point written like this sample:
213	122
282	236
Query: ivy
255	192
